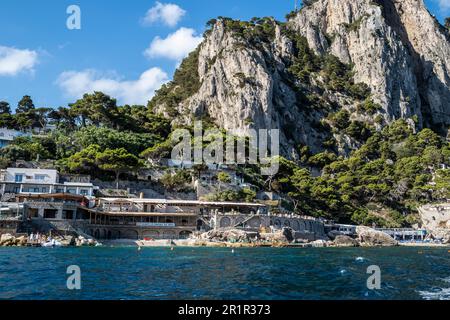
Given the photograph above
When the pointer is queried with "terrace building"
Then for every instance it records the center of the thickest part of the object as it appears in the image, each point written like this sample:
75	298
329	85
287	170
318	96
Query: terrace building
115	218
118	218
40	181
54	207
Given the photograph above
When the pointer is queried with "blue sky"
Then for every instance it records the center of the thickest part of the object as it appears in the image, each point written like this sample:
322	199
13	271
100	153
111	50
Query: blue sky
121	47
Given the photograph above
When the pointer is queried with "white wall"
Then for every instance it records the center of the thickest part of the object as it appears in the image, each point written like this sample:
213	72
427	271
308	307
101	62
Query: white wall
29	175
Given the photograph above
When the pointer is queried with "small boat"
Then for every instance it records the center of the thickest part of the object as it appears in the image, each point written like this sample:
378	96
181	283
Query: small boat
52	243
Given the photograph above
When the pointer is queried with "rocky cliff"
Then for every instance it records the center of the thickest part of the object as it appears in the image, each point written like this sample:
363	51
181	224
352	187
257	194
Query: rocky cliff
393	61
396	47
436	220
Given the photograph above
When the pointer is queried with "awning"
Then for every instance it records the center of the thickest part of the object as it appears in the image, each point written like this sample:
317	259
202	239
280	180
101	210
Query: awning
64	196
143	214
181	202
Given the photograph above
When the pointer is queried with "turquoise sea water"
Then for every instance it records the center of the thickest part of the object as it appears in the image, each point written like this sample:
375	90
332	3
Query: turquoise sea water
217	273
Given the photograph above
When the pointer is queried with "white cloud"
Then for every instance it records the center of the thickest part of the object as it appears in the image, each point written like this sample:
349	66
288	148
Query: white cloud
444	5
14	61
76	83
176	46
168	13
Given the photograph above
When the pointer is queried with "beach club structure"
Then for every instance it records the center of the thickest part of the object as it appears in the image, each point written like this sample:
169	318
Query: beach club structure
116	218
135	218
50	201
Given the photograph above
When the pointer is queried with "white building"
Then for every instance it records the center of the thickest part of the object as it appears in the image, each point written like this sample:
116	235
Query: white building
40	181
7	136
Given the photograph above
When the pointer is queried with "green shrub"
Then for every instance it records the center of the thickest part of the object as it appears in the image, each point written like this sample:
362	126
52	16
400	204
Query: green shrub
186	82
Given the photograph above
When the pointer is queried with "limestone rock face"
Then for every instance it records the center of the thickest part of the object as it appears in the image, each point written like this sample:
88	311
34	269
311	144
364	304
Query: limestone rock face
371	237
244	87
436	220
396	46
430	46
230	235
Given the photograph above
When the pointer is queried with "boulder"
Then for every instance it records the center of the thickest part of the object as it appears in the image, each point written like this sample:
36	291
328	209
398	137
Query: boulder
345	241
275	237
372	238
6	237
444	236
441	234
7	240
21	241
229	235
333	234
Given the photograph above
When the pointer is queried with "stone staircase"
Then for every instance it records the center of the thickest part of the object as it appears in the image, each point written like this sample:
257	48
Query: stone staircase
60	228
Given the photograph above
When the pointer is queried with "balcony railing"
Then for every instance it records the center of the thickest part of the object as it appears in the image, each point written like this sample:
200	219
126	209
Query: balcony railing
144	224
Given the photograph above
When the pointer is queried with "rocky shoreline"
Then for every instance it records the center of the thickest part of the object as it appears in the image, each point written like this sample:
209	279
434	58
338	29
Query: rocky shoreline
366	237
236	238
230	238
8	240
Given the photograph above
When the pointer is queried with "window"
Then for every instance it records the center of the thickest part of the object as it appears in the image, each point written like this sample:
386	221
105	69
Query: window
68	214
50	214
39	177
84	192
19	178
